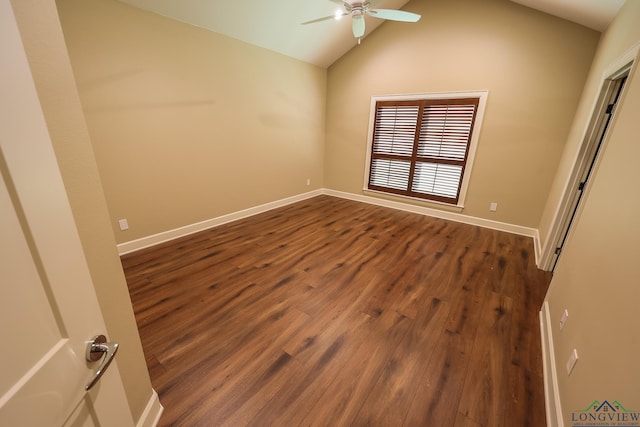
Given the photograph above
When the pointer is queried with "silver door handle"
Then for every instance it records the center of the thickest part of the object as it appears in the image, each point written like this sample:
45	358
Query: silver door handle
95	349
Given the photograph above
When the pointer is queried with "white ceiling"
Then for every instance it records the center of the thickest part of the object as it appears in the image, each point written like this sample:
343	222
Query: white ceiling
275	24
595	14
272	24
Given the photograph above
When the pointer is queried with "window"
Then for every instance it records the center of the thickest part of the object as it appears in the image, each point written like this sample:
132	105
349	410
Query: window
421	147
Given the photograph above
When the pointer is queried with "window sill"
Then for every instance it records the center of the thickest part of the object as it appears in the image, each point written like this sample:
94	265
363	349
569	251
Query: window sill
432	204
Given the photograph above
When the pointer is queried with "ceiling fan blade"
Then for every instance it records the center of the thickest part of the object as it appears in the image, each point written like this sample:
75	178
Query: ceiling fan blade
326	18
394	15
358	26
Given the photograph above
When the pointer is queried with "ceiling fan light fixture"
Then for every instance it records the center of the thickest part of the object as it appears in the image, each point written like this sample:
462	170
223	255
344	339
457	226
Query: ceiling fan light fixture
358	26
358	9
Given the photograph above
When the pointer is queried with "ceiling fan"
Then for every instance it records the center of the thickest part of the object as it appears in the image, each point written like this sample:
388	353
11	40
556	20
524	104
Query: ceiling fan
358	9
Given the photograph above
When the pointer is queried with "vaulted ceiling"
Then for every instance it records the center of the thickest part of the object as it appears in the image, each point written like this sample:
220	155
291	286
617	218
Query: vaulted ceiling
276	24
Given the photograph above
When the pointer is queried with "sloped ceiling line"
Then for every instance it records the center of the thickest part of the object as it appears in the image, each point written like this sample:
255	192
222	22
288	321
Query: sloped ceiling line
276	25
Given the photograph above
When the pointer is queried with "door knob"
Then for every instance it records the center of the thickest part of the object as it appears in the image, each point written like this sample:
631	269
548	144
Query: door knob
96	349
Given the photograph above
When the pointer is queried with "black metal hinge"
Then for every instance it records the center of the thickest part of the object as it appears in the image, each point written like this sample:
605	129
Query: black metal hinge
610	108
558	251
581	186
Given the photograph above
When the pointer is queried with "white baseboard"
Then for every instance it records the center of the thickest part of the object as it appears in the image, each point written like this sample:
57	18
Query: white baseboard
551	390
453	216
145	242
165	236
152	412
537	248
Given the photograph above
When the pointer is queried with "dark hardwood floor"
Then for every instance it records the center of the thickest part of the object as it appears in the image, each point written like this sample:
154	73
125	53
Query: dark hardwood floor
330	312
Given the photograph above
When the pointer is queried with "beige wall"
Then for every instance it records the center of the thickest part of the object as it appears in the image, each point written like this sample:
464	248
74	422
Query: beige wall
51	70
174	112
597	278
615	42
533	65
186	124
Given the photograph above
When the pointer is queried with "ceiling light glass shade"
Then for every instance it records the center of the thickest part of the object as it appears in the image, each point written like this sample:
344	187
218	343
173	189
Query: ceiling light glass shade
358	26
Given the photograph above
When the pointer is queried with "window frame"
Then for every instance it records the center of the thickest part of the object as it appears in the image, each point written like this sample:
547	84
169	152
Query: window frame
481	95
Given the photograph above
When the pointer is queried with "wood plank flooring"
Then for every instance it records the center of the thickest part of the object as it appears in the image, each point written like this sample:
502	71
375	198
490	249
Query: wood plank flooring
330	312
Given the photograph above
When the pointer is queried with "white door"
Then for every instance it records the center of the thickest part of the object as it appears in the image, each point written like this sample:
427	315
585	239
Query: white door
48	308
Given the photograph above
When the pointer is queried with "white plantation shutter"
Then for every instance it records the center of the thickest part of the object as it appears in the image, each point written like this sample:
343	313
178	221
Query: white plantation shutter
395	129
390	173
445	131
437	179
420	147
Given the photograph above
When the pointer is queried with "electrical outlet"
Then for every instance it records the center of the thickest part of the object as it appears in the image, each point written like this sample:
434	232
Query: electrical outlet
493	206
573	358
564	318
124	225
308	181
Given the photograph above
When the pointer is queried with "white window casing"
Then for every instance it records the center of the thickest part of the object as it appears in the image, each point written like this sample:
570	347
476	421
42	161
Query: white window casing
402	142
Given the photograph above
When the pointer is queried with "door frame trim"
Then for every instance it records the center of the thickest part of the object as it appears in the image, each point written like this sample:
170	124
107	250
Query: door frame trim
623	64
